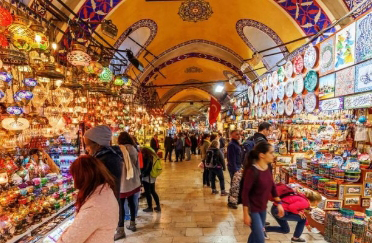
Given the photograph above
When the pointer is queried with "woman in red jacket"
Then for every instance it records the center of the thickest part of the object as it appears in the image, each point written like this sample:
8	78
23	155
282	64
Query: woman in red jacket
294	207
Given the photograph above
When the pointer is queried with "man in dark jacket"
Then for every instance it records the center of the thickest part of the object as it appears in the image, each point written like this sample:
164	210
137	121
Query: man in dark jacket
154	144
168	146
234	153
264	130
194	143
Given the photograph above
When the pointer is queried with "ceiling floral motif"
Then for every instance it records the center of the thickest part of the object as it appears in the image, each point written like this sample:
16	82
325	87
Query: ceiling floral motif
193	70
195	10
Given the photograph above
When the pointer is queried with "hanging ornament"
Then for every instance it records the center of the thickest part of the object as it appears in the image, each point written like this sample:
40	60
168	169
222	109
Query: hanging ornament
94	67
119	81
40	95
30	82
6	17
41	41
15	124
78	56
14	110
106	75
23	96
6	77
20	35
53	113
63	96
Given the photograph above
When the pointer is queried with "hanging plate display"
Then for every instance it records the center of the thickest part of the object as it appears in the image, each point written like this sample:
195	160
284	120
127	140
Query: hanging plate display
264	110
281	91
281	74
275	78
288	69
264	97
256	101
298	84
269	94
289	88
250	94
260	87
298	64
275	93
260	99
311	80
259	112
289	106
298	104
256	88
281	107
274	108
268	109
310	57
310	102
264	83
269	80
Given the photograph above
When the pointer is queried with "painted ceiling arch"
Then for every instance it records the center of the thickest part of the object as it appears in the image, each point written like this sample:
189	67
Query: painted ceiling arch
187	94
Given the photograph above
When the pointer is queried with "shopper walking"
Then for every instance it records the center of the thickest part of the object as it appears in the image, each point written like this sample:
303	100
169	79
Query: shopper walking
168	146
194	143
216	165
97	208
188	147
234	154
258	187
179	149
148	181
222	143
154	143
204	147
130	182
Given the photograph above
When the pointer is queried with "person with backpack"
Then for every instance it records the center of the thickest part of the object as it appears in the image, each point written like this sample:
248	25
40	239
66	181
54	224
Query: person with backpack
204	148
151	170
258	187
294	205
216	165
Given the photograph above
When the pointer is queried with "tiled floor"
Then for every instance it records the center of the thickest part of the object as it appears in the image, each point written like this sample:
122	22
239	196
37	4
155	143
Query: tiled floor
190	213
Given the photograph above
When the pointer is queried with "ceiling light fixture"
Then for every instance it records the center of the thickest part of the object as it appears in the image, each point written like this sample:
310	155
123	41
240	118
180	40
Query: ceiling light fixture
219	88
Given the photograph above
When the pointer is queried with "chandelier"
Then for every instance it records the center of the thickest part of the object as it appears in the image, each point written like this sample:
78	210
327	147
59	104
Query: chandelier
195	10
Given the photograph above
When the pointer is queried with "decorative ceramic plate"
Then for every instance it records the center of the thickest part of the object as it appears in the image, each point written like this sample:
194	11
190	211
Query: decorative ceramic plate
289	88
259	111
298	64
281	107
310	102
275	78
256	88
264	110
260	99
311	80
288	69
264	97
310	57
260	87
264	83
281	74
256	99
289	106
269	80
298	84
274	108
250	94
275	93
298	104
269	94
268	109
281	91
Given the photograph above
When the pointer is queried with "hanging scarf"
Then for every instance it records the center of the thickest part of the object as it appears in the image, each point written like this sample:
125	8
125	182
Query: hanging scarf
127	163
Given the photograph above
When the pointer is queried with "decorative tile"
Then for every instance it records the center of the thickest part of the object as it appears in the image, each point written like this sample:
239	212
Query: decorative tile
345	80
327	86
345	47
326	54
358	101
331	104
363	76
353	3
363	49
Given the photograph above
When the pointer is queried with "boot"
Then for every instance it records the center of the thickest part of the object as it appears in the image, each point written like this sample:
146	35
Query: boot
157	209
224	193
148	210
214	191
120	233
132	226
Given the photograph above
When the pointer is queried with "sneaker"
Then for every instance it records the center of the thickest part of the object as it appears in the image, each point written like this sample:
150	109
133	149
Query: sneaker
214	192
157	209
223	193
148	210
233	206
266	236
297	240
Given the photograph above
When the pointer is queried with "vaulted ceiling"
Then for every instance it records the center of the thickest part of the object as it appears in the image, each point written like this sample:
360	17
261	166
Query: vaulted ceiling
204	51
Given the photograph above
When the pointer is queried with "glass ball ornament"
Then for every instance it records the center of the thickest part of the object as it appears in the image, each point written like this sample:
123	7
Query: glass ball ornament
94	67
6	77
106	75
23	96
21	36
14	110
30	82
78	56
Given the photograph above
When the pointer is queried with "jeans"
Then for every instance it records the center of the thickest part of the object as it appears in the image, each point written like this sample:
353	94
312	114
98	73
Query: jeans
179	154
206	180
132	209
283	222
127	209
212	177
188	153
150	191
257	226
168	152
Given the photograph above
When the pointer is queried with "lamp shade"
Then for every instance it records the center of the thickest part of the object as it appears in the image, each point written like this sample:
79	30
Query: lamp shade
6	77
14	110
119	81
6	17
21	36
106	75
15	124
63	96
41	41
30	82
40	95
78	56
94	67
23	96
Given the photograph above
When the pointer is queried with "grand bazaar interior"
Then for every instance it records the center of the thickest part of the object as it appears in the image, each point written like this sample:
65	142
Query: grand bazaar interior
201	79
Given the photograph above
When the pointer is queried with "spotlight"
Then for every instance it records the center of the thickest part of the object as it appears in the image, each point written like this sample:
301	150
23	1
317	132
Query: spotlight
54	46
137	64
219	88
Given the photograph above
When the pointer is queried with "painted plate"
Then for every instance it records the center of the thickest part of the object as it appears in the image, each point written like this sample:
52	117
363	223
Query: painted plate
264	97
256	88
259	111
289	106
298	84
310	57
274	108
260	87
289	88
281	107
250	94
311	80
275	93
281	74
268	109
275	78
298	64
260	99
281	91
298	104
310	102
288	69
256	99
264	83
269	80
269	94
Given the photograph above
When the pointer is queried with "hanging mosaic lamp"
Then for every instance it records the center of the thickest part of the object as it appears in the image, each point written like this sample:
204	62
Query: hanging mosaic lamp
2	95
14	110
23	96
15	124
127	81
64	96
119	81
94	67
6	17
41	41
40	95
21	36
3	41
30	82
6	77
78	56
106	75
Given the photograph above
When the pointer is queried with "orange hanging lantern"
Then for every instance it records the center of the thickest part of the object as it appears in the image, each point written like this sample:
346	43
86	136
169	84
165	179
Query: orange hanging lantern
3	40
6	17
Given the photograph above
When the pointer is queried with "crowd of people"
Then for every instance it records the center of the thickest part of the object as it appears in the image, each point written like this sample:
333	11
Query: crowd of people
109	177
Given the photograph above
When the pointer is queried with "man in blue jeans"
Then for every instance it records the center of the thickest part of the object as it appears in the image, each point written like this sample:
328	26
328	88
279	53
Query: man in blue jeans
234	157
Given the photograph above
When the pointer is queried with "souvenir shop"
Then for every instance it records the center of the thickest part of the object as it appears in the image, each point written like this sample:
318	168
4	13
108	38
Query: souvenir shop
319	103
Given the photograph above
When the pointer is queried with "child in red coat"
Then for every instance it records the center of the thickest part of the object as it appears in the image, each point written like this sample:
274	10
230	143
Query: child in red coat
294	207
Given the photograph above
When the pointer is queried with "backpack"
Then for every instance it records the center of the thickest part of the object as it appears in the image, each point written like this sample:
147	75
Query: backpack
247	147
211	160
284	190
157	168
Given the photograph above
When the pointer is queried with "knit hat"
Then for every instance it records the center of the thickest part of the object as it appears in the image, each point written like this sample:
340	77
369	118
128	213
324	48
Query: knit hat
99	134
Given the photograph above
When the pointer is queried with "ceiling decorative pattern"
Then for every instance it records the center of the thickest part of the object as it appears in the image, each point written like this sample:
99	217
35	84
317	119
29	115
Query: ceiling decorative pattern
193	70
308	15
195	10
350	4
195	55
228	74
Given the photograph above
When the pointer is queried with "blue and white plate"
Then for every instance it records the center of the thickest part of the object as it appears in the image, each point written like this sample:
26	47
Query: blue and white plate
274	108
275	93
281	107
250	94
269	80
281	91
289	106
298	84
289	88
269	94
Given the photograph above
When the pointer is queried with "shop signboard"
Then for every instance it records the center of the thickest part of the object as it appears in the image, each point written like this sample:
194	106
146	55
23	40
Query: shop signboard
358	101
331	104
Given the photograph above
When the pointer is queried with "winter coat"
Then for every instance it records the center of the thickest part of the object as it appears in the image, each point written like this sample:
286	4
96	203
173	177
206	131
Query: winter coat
96	220
187	142
221	160
204	147
135	182
234	156
168	143
295	203
194	141
113	160
222	142
154	144
259	137
179	144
